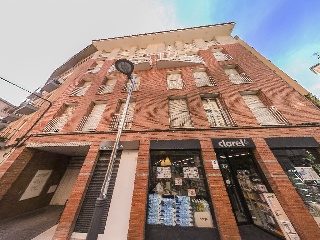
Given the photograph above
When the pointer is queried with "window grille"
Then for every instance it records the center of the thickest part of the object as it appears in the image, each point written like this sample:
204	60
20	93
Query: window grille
91	121
57	123
179	114
174	81
202	79
81	90
237	78
218	116
136	86
107	87
115	121
266	115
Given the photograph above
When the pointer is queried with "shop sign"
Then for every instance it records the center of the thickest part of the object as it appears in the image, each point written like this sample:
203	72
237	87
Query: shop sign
232	143
281	217
307	174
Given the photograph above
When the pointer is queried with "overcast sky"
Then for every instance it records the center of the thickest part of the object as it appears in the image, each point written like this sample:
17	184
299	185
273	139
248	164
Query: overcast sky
38	36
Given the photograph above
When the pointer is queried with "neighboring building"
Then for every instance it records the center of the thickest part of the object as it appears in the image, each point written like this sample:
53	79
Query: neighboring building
316	68
6	109
218	143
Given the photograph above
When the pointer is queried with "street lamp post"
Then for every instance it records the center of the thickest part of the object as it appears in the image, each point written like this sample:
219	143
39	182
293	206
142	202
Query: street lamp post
126	67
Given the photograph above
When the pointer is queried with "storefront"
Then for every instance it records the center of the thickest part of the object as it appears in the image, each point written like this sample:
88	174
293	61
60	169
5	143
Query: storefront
179	204
300	160
246	184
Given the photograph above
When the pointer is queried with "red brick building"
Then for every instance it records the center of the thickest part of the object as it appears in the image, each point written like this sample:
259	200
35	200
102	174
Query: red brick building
218	143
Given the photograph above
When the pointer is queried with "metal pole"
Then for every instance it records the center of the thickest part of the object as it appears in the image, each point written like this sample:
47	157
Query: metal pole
102	199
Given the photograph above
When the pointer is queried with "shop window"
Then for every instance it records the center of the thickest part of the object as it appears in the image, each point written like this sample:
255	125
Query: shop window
236	75
58	122
117	116
178	194
264	112
174	80
82	88
136	86
107	86
217	114
202	79
179	114
302	166
246	186
90	121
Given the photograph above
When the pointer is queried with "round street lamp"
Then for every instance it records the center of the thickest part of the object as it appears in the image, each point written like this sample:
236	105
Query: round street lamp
126	67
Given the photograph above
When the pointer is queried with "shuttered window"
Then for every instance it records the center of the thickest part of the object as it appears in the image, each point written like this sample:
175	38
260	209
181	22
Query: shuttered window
218	116
136	86
91	121
179	114
117	116
57	123
261	112
236	77
95	67
174	81
107	87
220	56
82	89
202	79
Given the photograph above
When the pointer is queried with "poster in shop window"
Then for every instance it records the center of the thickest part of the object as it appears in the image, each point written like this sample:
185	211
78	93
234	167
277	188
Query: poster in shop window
163	172
307	174
190	172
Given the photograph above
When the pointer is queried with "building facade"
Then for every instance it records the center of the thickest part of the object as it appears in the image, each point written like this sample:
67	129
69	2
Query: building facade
218	143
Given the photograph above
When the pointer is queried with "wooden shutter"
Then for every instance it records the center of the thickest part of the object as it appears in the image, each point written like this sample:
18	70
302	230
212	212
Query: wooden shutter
179	113
259	110
94	117
174	81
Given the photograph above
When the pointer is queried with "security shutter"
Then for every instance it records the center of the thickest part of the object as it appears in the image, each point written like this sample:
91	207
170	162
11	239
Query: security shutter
129	117
107	87
56	124
217	116
174	81
259	110
202	79
91	122
80	91
179	114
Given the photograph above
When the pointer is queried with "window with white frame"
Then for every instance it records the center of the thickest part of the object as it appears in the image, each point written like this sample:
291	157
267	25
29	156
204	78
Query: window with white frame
95	67
179	114
174	80
117	116
266	115
58	122
108	85
201	78
136	86
217	113
82	88
236	77
219	55
90	121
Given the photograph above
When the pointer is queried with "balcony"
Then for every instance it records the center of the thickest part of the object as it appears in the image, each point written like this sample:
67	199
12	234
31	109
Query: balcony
12	117
26	108
51	85
165	60
3	123
239	78
141	63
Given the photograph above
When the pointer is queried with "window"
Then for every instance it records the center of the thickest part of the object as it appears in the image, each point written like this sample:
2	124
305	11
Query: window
236	77
95	67
217	114
263	112
202	79
302	166
179	114
117	116
58	122
90	121
220	55
82	88
136	86
174	80
177	191
107	86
